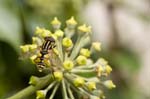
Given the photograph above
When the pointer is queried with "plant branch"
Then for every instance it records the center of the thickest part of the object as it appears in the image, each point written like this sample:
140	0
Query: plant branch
44	81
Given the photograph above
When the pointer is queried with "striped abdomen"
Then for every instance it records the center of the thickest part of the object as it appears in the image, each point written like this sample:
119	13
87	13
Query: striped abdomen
48	44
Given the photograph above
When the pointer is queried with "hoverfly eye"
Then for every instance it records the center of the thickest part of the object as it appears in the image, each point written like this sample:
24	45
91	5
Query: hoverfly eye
51	39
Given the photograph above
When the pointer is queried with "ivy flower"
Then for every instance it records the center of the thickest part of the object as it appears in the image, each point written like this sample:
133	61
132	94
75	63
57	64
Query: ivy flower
68	62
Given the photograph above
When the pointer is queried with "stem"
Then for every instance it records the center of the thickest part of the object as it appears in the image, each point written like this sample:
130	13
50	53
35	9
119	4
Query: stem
85	66
66	56
82	71
70	92
73	53
44	81
84	92
67	76
54	91
95	79
81	41
64	90
59	46
50	86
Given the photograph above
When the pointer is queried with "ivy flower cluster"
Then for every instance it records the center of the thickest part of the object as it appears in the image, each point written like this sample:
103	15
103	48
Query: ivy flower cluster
70	64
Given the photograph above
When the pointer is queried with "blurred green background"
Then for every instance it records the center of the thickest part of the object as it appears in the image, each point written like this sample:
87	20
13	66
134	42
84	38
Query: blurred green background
123	27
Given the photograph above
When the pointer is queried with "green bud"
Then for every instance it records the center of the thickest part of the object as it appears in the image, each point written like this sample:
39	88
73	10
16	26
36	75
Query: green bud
56	23
32	47
59	33
79	82
36	40
38	31
67	42
71	23
81	60
99	70
58	75
102	61
109	84
46	33
33	80
24	48
85	52
96	46
91	86
68	65
40	94
32	58
83	29
108	69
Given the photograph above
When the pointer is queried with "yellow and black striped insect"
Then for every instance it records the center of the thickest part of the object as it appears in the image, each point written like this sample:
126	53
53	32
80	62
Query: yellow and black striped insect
49	44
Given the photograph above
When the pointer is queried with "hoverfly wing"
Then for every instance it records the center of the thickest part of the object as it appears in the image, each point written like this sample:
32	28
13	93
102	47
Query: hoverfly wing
55	59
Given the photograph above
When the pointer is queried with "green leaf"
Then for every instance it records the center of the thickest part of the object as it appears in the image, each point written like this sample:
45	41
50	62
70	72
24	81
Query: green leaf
10	27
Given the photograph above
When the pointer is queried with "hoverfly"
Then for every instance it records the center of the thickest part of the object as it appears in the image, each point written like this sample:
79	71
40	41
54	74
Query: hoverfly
48	45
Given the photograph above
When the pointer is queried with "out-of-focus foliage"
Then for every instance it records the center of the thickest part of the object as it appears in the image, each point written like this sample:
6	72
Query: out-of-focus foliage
56	7
123	27
10	25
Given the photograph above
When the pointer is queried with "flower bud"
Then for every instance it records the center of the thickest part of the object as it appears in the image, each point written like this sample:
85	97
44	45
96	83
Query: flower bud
56	23
32	58
96	46
89	29
68	65
32	47
59	33
71	23
102	61
58	75
79	82
67	42
36	60
91	86
108	69
85	52
24	48
38	31
109	84
99	70
40	94
46	33
33	80
54	36
36	40
81	60
83	29
89	62
99	93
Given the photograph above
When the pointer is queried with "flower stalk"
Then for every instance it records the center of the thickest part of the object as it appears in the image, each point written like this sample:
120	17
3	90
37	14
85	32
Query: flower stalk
44	81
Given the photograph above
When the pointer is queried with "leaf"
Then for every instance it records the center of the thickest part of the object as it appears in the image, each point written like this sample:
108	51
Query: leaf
10	27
